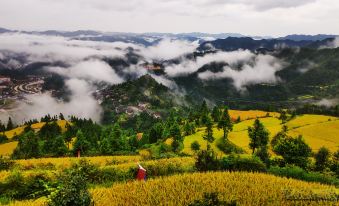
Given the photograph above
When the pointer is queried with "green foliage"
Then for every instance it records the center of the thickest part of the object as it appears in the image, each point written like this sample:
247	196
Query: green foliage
212	199
195	146
322	159
209	131
10	124
228	147
293	150
225	122
236	163
335	163
216	114
81	144
28	147
3	138
280	135
259	136
16	186
6	164
72	190
155	133
299	173
206	160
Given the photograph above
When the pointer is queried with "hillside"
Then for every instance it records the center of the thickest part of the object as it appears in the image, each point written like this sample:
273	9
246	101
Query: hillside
261	189
317	130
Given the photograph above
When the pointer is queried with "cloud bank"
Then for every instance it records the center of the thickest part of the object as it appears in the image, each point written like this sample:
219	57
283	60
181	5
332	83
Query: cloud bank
81	104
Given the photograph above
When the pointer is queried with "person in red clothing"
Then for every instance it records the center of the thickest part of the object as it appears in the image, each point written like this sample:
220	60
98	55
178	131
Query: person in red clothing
141	175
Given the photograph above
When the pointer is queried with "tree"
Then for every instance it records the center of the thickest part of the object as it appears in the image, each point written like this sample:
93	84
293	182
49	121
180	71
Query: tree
72	190
225	123
283	116
209	132
216	114
58	147
279	135
155	133
204	112
263	154
61	116
81	144
3	138
258	135
293	150
10	124
175	133
195	146
28	146
322	159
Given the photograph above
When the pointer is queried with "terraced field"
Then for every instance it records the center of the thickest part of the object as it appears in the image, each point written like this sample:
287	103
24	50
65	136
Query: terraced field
318	131
244	188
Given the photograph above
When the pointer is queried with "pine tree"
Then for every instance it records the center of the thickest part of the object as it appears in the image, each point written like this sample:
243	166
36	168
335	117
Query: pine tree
216	114
258	135
209	132
10	124
225	123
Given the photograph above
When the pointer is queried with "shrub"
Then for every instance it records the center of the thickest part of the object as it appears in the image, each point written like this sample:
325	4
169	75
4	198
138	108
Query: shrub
88	170
235	163
18	187
72	190
212	199
299	173
5	164
206	160
228	147
195	146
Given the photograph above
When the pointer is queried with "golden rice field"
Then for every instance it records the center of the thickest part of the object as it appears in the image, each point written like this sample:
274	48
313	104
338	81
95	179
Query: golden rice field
37	126
198	136
318	131
66	162
321	134
121	163
250	114
7	148
245	188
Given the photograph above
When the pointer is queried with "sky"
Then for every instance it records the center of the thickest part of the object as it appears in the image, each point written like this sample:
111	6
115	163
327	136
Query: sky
249	17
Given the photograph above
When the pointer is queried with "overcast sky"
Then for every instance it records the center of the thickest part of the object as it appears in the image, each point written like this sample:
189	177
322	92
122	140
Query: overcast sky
251	17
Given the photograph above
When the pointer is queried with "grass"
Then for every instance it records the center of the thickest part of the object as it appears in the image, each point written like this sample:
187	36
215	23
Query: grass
37	126
250	114
198	136
318	131
7	148
320	134
183	189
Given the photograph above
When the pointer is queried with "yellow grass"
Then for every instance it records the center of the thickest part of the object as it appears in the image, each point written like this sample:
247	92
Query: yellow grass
37	126
239	135
198	136
245	188
308	119
321	134
250	114
7	148
67	161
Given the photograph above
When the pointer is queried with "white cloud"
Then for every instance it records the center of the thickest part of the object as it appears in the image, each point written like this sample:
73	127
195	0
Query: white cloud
262	70
333	44
328	102
191	66
168	49
81	104
91	70
52	48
